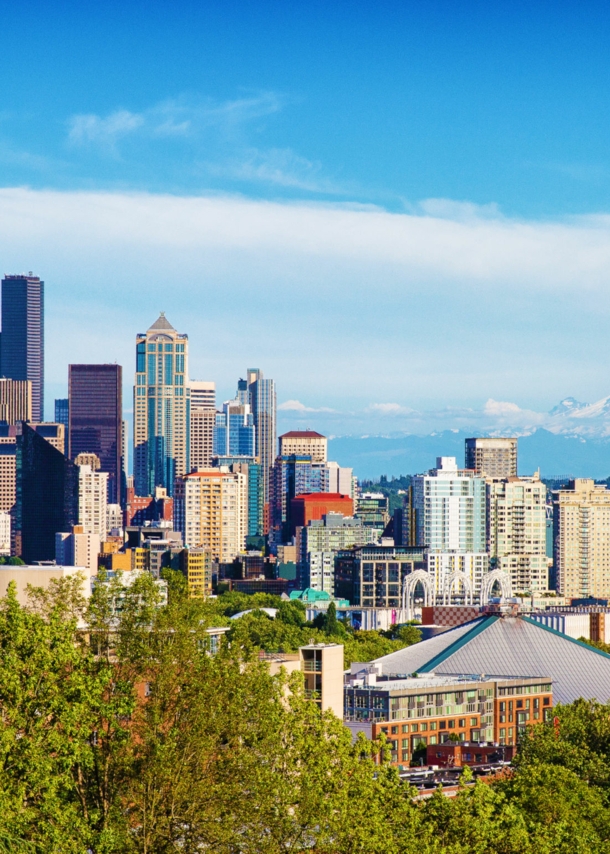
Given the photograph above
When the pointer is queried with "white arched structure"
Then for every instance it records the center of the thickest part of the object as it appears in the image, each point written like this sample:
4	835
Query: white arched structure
455	578
411	581
489	581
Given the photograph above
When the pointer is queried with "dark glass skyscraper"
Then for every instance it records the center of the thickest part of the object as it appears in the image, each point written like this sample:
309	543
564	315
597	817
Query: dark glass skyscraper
47	496
95	416
22	340
61	413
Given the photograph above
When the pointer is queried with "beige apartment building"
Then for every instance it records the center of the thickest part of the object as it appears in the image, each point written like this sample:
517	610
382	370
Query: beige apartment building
15	400
306	443
203	416
492	457
581	537
93	501
202	438
211	511
516	531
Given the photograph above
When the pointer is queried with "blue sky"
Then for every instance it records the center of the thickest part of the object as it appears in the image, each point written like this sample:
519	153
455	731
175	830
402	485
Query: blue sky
393	208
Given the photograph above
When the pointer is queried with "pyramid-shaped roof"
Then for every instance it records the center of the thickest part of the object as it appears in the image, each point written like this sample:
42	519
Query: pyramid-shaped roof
510	646
162	323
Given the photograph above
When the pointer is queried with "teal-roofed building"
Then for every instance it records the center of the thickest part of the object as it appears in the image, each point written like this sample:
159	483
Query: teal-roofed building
508	645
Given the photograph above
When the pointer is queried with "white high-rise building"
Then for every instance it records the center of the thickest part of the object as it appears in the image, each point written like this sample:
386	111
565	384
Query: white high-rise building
449	505
516	531
211	511
448	569
93	501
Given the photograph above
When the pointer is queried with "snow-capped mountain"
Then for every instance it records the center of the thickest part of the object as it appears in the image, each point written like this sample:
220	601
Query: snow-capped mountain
584	419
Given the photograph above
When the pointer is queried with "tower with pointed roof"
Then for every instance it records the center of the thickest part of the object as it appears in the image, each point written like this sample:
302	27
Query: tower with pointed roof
161	410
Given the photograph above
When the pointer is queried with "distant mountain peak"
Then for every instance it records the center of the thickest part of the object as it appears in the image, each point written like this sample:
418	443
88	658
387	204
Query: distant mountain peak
567	405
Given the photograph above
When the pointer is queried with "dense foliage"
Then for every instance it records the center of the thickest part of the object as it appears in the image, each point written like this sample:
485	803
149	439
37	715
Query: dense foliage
129	736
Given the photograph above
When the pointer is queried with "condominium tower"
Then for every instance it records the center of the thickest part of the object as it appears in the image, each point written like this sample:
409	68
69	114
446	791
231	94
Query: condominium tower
161	408
492	457
95	419
449	505
211	511
22	340
581	539
516	531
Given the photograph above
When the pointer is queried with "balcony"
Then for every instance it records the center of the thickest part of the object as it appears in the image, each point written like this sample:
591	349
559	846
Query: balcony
312	666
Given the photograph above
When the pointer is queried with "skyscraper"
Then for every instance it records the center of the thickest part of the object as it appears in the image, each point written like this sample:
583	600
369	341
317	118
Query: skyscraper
15	400
492	457
161	422
203	419
450	509
234	432
95	419
264	406
22	340
61	412
47	496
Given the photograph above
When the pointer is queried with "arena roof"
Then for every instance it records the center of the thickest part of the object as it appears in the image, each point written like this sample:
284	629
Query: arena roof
509	646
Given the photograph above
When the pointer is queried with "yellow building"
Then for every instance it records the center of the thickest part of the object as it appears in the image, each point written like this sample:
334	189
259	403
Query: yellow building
516	531
197	568
581	523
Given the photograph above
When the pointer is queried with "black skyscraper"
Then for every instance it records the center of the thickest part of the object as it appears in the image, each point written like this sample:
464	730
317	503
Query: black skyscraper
95	412
47	496
22	340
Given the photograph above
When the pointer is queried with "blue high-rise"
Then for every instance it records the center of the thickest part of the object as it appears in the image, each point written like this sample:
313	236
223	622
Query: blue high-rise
234	431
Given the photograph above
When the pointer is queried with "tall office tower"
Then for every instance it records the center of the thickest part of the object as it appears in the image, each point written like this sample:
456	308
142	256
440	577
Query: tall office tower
449	506
251	468
203	394
46	496
203	419
234	433
161	424
264	408
92	499
581	534
62	413
96	413
516	531
22	340
492	457
15	401
291	476
304	443
211	511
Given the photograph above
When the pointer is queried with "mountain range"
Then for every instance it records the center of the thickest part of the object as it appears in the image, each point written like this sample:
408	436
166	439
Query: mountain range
572	439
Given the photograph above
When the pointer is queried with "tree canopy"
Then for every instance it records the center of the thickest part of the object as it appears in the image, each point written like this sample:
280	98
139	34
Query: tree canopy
120	732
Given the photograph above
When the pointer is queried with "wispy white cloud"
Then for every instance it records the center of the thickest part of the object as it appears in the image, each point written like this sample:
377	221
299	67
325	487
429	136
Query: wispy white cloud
219	135
105	131
297	406
390	409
